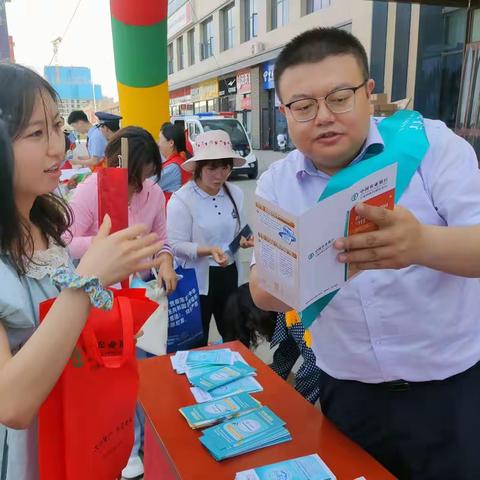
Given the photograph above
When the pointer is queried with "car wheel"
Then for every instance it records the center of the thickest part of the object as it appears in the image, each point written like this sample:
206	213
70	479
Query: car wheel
252	175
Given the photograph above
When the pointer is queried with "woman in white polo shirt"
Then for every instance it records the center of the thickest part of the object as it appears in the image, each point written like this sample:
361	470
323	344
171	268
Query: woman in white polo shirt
203	217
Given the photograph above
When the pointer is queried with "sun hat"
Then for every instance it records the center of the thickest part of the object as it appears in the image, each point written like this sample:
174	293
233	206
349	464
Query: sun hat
212	145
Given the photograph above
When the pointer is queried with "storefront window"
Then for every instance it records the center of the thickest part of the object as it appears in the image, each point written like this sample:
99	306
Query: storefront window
227	103
440	56
212	105
200	106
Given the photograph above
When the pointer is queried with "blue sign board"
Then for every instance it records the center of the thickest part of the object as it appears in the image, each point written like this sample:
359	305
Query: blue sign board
267	75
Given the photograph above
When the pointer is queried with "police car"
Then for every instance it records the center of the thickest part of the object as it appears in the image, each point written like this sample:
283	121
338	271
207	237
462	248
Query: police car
202	122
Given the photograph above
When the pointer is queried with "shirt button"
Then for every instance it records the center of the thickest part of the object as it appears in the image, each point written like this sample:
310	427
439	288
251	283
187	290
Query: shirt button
213	199
219	213
216	206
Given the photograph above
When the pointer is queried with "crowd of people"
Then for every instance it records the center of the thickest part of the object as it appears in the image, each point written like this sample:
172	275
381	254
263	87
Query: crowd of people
393	358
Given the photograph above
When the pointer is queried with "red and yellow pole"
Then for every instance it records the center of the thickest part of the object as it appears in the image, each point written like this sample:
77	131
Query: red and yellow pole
139	30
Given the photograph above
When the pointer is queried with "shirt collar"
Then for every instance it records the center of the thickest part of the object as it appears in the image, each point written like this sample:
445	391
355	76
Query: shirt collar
372	146
204	194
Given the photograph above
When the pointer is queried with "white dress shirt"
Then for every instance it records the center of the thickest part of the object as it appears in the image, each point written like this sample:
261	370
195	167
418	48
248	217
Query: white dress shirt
195	218
416	323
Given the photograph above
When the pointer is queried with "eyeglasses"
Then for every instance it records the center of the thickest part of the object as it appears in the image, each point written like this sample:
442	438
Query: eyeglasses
338	101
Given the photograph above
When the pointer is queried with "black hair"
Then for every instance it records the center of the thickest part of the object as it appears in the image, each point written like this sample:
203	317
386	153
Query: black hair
246	322
177	134
113	125
219	162
19	88
316	45
142	151
77	115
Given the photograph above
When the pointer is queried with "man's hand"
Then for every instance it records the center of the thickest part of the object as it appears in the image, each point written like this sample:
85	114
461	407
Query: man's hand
398	243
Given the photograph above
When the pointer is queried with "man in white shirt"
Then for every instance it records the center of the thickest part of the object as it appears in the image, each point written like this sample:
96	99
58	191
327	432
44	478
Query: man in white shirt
399	344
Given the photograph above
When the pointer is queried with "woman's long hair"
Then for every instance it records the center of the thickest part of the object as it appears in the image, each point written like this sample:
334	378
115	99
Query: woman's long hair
177	134
246	322
142	152
19	88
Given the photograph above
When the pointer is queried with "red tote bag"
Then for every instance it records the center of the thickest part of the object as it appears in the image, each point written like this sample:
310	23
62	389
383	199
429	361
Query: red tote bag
112	185
86	425
113	196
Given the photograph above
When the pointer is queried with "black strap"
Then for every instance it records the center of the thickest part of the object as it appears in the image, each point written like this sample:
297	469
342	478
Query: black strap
3	473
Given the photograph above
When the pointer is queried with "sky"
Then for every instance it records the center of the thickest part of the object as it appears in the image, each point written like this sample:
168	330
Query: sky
87	42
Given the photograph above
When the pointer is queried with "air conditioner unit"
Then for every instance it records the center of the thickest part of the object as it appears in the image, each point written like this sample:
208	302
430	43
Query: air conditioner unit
257	47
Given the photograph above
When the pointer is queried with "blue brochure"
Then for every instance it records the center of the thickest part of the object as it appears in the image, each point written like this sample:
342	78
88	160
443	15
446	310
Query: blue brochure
303	468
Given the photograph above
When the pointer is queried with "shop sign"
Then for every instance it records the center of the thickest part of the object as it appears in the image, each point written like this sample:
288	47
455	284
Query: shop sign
267	75
244	82
227	86
195	93
246	103
209	89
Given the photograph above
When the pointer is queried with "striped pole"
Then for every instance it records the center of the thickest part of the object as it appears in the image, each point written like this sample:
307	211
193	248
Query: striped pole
139	30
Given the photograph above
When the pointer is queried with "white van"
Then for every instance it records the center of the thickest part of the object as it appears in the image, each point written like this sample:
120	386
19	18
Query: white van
203	122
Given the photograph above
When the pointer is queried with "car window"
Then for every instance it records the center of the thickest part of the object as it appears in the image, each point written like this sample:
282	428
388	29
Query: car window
232	127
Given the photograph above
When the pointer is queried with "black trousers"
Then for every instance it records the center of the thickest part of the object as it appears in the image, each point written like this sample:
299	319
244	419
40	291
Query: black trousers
223	281
418	431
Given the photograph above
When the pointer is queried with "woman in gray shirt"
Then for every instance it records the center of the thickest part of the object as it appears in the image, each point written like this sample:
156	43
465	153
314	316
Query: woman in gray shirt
32	254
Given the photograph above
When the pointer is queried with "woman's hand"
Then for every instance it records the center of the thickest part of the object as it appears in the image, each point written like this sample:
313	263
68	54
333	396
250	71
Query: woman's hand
167	278
247	242
219	256
112	258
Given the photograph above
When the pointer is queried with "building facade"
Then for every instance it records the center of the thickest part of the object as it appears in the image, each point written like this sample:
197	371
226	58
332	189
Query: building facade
74	86
221	54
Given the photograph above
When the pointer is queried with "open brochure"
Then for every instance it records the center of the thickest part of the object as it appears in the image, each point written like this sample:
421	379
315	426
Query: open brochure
303	468
295	258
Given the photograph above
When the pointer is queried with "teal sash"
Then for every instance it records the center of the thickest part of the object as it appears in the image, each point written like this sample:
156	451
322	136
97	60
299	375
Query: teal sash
406	144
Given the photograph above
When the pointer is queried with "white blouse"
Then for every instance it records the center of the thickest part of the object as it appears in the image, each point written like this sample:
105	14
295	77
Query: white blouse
195	218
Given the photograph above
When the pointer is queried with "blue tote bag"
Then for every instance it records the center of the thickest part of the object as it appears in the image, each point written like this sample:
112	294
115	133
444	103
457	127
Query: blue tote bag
185	328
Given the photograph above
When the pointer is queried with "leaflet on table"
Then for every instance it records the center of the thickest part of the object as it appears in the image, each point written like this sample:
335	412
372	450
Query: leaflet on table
245	384
281	435
248	432
179	361
205	414
302	468
295	258
223	356
221	376
233	433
